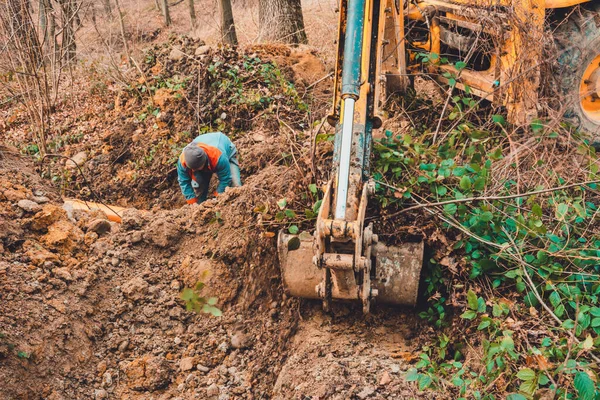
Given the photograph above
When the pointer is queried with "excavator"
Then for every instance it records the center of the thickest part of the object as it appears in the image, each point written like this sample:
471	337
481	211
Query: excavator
496	50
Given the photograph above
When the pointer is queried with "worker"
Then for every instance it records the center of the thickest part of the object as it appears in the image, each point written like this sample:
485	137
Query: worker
207	154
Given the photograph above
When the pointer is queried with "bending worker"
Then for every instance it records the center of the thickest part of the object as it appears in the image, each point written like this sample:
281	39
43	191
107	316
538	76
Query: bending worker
207	154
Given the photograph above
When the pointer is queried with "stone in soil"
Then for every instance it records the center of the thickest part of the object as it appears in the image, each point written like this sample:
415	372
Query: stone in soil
29	206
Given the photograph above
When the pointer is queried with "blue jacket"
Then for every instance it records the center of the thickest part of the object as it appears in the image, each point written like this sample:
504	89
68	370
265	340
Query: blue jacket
219	150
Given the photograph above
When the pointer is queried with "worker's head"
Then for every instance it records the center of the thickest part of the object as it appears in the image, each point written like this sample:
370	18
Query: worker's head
195	157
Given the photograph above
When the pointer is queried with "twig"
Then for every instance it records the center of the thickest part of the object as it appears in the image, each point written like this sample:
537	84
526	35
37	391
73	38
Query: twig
319	81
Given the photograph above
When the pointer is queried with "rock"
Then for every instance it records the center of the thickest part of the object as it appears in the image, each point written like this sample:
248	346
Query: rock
395	368
135	289
148	311
131	219
176	54
175	285
77	160
201	50
137	237
148	373
107	379
163	233
101	367
38	255
202	368
100	394
186	364
366	392
177	340
90	237
63	273
100	226
15	195
40	199
239	340
49	215
191	377
29	206
63	236
223	347
123	346
212	390
385	378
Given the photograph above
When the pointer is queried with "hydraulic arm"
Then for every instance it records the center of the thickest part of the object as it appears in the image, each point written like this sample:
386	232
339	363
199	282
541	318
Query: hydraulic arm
343	259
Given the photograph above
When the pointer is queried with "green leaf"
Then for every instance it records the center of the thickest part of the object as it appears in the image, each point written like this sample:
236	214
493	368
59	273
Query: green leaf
469	314
187	294
561	211
412	375
472	300
465	183
290	214
282	203
526	374
484	324
293	229
595	322
479	184
460	65
515	396
498	119
529	387
554	299
450	209
584	386
313	188
212	301
424	382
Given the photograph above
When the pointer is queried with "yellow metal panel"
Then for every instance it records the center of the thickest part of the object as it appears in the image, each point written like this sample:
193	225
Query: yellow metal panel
563	3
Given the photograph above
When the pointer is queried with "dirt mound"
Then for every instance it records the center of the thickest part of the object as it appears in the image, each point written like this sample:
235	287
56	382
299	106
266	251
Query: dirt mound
127	150
103	316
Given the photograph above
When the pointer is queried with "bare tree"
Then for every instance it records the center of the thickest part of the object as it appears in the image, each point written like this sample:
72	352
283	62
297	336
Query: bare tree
192	13
281	21
123	37
227	26
165	11
22	63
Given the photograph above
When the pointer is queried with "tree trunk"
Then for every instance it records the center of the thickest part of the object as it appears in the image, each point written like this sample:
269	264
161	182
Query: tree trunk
123	37
165	9
192	13
281	21
227	26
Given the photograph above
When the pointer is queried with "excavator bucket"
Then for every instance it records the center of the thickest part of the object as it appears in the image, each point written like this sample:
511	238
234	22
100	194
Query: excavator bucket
394	279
